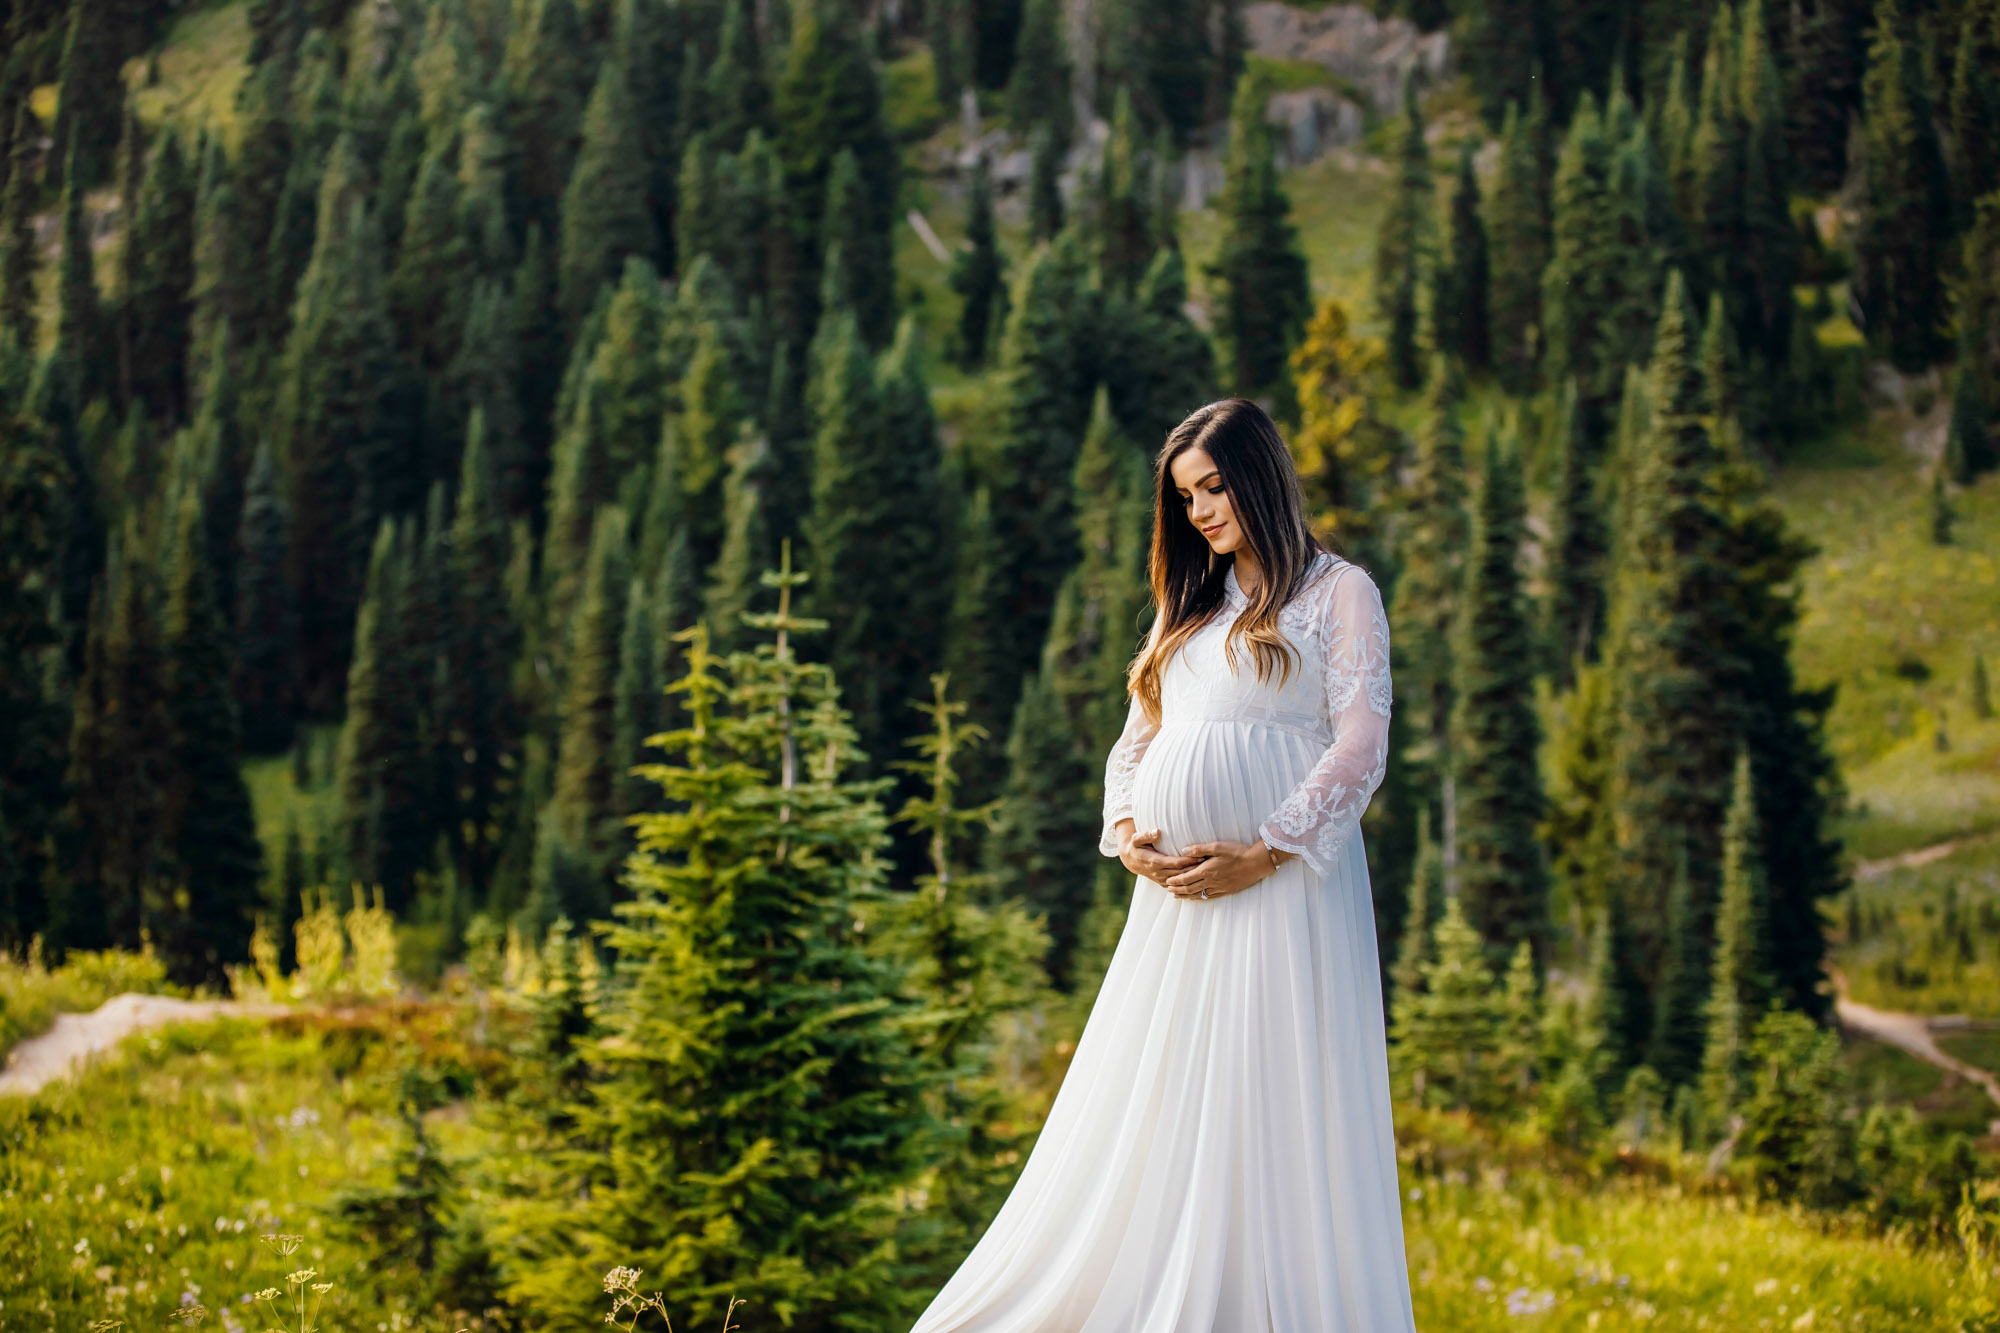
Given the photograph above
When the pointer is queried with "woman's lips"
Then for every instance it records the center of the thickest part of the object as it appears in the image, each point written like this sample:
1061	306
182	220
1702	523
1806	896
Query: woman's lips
1210	532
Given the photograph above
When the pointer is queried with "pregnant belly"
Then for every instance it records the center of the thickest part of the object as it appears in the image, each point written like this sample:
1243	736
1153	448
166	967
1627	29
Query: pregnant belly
1210	780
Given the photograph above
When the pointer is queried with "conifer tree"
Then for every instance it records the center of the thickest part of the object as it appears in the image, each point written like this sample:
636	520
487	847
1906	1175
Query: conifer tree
1495	731
1597	298
1740	983
90	98
972	961
1668	633
160	249
635	714
1348	457
863	275
18	259
1430	577
1577	547
606	212
1982	691
1264	297
1453	1043
210	834
978	273
828	100
1043	416
547	79
735	576
975	640
1403	244
266	637
1612	1025
336	434
1045	196
1038	92
871	527
485	730
120	758
33	724
1423	904
1975	101
1071	710
1161	365
582	807
380	765
80	366
1676	1046
740	971
1518	225
738	100
1906	219
1124	228
1462	316
1511	50
429	285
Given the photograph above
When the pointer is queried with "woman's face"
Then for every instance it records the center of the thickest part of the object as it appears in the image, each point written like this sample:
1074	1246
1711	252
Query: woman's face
1205	500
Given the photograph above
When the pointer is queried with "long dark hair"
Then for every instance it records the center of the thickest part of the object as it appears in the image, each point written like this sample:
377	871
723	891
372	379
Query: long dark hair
1188	577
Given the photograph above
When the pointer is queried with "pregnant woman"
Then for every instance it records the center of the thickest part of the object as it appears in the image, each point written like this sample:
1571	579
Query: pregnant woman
1220	1157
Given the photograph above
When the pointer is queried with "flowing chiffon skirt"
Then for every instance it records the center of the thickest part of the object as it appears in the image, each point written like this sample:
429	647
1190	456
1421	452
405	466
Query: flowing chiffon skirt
1220	1157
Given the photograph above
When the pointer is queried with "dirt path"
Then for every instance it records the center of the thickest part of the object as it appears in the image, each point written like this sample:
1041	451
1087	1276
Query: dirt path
1922	856
76	1037
1911	1032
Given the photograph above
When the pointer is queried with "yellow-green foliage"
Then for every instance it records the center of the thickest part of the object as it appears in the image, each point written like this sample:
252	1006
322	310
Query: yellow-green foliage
1895	621
345	956
153	1176
1534	1251
909	95
201	64
32	993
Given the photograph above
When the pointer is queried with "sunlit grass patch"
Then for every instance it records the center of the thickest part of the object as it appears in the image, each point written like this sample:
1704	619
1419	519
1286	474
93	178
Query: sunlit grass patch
201	63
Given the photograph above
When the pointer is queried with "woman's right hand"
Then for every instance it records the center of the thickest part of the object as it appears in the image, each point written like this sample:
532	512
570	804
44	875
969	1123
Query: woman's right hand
1135	852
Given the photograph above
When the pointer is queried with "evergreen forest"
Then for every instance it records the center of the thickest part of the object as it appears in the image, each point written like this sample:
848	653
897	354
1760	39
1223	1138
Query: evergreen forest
587	551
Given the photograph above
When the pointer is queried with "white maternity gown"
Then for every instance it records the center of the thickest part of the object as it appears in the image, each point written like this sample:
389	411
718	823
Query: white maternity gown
1220	1156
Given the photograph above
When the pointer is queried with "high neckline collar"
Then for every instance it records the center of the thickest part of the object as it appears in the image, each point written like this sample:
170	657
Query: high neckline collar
1230	585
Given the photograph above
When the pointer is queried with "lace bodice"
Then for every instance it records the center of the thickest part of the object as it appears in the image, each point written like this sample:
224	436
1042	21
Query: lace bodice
1340	697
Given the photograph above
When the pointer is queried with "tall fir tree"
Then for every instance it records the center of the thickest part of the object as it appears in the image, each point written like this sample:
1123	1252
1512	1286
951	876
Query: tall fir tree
1038	92
1597	293
1044	413
1518	227
210	832
380	765
1264	296
1462	313
156	305
1906	216
606	210
1432	550
484	729
546	76
1496	732
1046	211
266	631
740	971
337	437
1740	985
1404	242
18	256
32	722
1072	709
978	273
582	808
1671	623
827	100
1575	571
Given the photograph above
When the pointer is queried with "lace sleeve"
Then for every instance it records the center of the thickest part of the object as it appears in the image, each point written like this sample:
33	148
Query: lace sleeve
1119	767
1324	810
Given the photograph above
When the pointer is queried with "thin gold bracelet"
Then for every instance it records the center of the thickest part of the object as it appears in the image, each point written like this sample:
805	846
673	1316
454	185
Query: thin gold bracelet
1271	853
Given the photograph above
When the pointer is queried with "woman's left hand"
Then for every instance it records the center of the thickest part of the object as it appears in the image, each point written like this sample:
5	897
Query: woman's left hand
1225	868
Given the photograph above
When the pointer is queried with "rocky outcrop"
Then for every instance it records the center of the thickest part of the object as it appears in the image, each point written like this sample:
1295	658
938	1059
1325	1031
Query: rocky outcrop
1373	55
